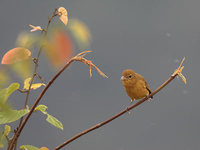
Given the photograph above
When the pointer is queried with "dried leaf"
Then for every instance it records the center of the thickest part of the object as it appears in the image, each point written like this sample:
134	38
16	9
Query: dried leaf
90	71
182	77
178	72
35	28
179	69
62	12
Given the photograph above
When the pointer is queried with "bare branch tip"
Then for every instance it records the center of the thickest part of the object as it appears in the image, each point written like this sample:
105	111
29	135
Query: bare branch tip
179	69
81	54
105	76
181	62
79	57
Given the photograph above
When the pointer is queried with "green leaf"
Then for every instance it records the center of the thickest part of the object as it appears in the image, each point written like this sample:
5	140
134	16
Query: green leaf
28	147
41	108
2	138
11	115
4	78
7	130
4	106
1	143
52	120
5	93
22	68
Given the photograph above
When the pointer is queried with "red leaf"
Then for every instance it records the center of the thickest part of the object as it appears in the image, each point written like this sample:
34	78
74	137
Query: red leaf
60	48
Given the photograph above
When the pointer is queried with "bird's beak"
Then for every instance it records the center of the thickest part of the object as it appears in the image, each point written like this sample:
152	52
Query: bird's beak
123	78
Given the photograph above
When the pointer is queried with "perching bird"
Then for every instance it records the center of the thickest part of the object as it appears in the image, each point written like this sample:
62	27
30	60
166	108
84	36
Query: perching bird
135	85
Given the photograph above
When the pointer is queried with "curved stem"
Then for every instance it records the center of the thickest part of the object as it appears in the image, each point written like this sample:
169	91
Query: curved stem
35	69
45	34
115	116
17	134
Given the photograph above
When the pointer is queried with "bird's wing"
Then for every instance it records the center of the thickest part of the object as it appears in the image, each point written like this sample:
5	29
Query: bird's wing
146	84
147	87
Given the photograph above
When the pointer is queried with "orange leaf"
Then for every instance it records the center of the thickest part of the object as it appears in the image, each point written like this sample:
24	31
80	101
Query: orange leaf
44	148
62	12
59	48
15	55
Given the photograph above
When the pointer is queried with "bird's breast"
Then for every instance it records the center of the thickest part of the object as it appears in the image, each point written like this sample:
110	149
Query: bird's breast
136	91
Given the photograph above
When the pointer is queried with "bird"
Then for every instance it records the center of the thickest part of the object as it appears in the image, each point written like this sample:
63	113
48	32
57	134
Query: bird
135	85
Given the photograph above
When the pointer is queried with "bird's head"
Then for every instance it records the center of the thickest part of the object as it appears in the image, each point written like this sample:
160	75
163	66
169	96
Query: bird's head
128	77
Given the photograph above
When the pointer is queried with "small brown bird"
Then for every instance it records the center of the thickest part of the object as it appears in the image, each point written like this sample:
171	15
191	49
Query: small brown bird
135	85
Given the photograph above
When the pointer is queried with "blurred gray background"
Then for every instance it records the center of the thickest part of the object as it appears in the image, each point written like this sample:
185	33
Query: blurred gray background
149	36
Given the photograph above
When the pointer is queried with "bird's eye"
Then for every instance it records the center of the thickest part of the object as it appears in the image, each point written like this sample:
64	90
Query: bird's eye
130	76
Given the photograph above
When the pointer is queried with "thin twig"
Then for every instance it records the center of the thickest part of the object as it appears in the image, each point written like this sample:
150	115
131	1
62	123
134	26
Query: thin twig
122	112
18	132
45	34
36	61
39	77
114	117
22	91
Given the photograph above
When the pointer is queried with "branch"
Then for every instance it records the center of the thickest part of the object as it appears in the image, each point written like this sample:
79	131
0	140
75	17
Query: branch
176	73
36	61
78	57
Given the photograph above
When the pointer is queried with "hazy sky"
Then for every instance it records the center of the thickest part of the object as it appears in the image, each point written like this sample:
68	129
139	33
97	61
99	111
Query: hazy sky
149	36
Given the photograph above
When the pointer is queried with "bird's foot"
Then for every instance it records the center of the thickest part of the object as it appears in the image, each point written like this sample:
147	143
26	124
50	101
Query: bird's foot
149	98
128	111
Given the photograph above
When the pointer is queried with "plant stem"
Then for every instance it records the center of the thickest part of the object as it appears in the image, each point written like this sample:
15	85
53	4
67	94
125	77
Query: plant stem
115	116
35	68
17	134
